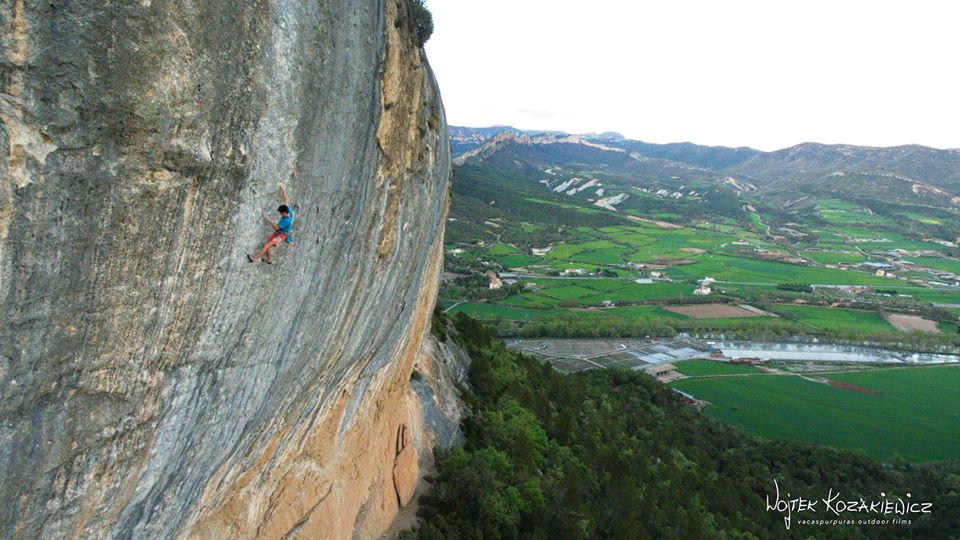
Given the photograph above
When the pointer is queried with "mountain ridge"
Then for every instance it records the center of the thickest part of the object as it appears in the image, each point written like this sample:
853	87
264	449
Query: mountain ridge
461	134
801	162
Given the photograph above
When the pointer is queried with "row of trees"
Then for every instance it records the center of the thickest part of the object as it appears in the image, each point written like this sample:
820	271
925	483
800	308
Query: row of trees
756	328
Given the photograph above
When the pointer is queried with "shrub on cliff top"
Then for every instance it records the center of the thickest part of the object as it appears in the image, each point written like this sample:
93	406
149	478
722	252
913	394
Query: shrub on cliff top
422	21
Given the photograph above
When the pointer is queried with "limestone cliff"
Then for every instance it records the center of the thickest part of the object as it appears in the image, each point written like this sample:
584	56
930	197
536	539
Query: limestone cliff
153	383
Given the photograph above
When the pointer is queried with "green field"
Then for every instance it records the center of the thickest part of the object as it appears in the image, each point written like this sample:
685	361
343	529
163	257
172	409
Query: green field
843	213
607	256
826	317
529	300
831	240
697	368
494	311
635	292
502	249
567	251
865	238
569	292
552	203
642	312
594	284
940	296
938	263
738	269
921	218
594	292
914	415
833	257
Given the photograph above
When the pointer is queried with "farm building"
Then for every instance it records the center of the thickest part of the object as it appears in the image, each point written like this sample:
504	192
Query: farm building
495	282
663	372
704	288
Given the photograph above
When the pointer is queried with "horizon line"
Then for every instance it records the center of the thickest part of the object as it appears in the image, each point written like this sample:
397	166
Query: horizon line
809	142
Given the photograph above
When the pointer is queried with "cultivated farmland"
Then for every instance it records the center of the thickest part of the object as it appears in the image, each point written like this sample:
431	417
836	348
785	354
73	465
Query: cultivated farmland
914	413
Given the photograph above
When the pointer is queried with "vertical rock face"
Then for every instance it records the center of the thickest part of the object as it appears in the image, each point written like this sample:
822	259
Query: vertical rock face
153	383
443	369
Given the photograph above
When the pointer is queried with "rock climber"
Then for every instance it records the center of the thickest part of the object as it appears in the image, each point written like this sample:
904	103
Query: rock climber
282	231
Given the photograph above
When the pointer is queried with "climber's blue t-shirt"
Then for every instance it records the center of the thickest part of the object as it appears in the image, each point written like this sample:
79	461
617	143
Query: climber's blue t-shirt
286	224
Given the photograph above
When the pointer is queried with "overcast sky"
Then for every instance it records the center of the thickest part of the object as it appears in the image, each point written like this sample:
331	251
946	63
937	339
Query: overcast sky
767	74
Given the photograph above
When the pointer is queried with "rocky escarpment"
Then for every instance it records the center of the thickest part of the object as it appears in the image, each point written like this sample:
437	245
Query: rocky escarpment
153	383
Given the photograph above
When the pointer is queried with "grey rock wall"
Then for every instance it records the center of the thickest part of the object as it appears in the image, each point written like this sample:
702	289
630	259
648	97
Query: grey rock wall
444	370
145	366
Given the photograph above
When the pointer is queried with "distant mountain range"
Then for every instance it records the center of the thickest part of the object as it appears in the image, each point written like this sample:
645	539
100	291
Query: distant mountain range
463	139
803	162
912	189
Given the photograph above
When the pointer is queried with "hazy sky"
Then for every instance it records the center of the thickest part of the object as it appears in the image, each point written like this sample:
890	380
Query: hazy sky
767	74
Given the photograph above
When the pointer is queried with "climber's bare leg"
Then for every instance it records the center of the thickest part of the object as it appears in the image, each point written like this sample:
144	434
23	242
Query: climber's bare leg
264	251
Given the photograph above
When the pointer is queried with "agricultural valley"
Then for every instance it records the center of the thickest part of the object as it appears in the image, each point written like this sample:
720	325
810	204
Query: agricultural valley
572	243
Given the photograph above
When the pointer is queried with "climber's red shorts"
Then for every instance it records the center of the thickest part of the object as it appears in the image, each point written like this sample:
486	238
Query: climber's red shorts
276	238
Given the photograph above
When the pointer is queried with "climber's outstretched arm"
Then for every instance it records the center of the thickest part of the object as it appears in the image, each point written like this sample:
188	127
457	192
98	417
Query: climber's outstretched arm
283	192
272	224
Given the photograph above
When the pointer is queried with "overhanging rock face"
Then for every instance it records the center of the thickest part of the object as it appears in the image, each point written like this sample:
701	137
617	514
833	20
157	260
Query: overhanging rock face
153	383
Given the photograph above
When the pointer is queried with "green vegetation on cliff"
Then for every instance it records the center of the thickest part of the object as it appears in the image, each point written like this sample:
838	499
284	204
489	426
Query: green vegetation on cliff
614	454
422	21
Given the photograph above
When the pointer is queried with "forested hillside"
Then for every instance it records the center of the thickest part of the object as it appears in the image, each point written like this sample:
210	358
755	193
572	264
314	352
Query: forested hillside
614	454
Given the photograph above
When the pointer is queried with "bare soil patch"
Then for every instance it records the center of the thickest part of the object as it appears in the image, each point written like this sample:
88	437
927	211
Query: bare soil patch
852	387
665	260
718	311
909	323
661	224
